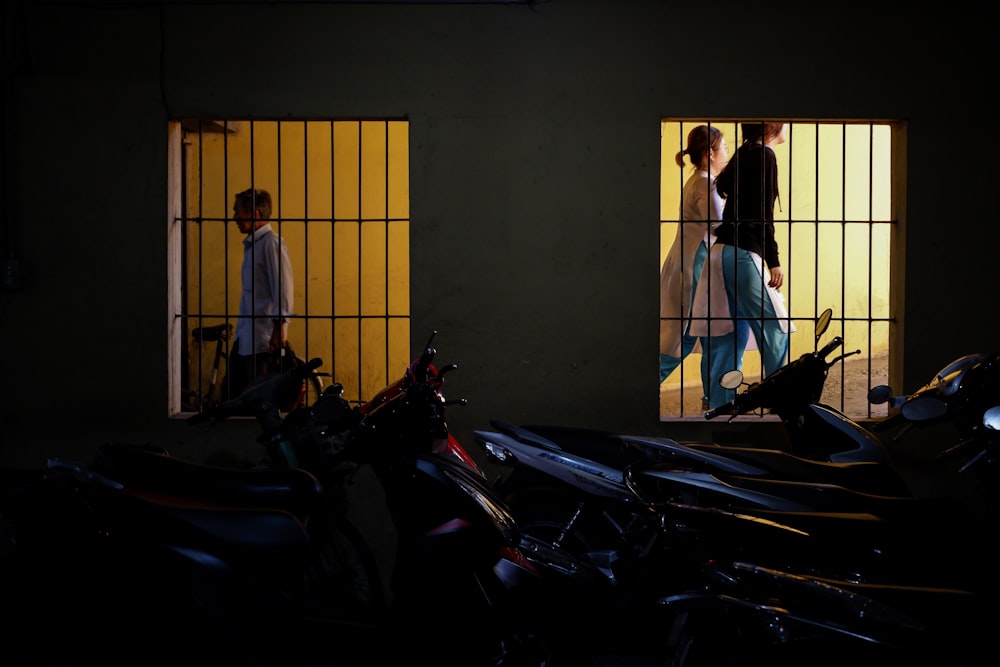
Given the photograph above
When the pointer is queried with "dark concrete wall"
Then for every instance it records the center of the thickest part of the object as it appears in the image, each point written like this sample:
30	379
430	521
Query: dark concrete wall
534	183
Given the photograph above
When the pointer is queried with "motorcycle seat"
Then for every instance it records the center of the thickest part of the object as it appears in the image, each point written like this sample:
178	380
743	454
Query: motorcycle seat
153	472
866	476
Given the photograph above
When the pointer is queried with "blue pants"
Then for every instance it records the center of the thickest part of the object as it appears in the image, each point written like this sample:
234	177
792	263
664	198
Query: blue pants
752	310
669	363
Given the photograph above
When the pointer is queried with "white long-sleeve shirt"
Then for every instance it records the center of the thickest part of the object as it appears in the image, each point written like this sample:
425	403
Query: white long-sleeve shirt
267	289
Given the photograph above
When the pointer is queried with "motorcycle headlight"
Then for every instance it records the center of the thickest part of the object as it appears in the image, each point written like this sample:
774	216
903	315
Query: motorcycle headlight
991	418
496	451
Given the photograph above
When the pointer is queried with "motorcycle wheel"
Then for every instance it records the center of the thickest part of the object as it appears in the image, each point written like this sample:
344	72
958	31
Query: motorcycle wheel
345	582
563	518
614	613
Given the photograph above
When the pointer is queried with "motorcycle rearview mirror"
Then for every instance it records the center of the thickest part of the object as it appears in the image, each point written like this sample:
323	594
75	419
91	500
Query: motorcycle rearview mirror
991	418
731	379
823	323
924	408
883	394
880	394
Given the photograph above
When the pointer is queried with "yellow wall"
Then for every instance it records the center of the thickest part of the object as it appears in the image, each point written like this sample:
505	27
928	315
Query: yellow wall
826	263
355	172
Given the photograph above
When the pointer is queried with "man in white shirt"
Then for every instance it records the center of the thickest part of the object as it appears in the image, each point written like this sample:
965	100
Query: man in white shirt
266	299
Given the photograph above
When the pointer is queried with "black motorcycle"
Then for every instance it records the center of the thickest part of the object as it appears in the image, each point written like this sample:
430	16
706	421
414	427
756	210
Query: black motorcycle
713	519
463	592
789	587
92	573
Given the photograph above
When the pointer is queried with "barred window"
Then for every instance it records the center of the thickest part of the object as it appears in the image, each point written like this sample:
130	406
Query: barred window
834	225
340	203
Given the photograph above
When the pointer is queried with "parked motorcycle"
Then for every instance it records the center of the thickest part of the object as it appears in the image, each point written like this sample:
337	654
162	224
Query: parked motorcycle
798	588
566	487
748	614
463	592
849	471
591	461
794	587
203	531
468	588
93	574
176	547
963	394
297	474
958	395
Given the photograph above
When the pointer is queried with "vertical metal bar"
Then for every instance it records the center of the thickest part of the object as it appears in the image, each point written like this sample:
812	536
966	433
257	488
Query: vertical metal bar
680	238
333	250
871	245
843	250
226	198
280	221
201	256
790	273
305	239
360	217
253	258
817	306
385	249
225	225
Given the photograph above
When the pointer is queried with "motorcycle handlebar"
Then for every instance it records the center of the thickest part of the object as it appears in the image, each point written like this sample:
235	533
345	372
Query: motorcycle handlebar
830	347
725	409
309	366
423	363
756	395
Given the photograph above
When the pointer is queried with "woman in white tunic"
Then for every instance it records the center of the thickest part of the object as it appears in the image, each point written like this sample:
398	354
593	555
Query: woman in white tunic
700	212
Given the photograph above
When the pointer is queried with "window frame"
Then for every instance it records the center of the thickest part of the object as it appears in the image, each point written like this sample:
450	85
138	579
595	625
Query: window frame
870	331
356	294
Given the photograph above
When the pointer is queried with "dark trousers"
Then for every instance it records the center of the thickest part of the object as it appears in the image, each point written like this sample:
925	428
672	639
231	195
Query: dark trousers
242	370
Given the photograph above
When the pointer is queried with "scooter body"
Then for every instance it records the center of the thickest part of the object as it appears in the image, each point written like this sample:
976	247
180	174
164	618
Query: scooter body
562	465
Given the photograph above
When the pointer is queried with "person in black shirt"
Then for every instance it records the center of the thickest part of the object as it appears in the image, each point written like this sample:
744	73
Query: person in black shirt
741	294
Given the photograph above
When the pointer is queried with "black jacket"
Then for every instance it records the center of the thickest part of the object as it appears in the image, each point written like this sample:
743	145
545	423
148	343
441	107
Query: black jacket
749	184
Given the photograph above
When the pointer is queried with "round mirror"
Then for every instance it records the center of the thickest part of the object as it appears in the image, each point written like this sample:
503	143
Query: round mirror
823	321
924	408
991	418
731	379
880	394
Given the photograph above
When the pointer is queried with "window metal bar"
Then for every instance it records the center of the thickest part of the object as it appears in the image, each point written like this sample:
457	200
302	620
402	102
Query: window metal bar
364	324
844	292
